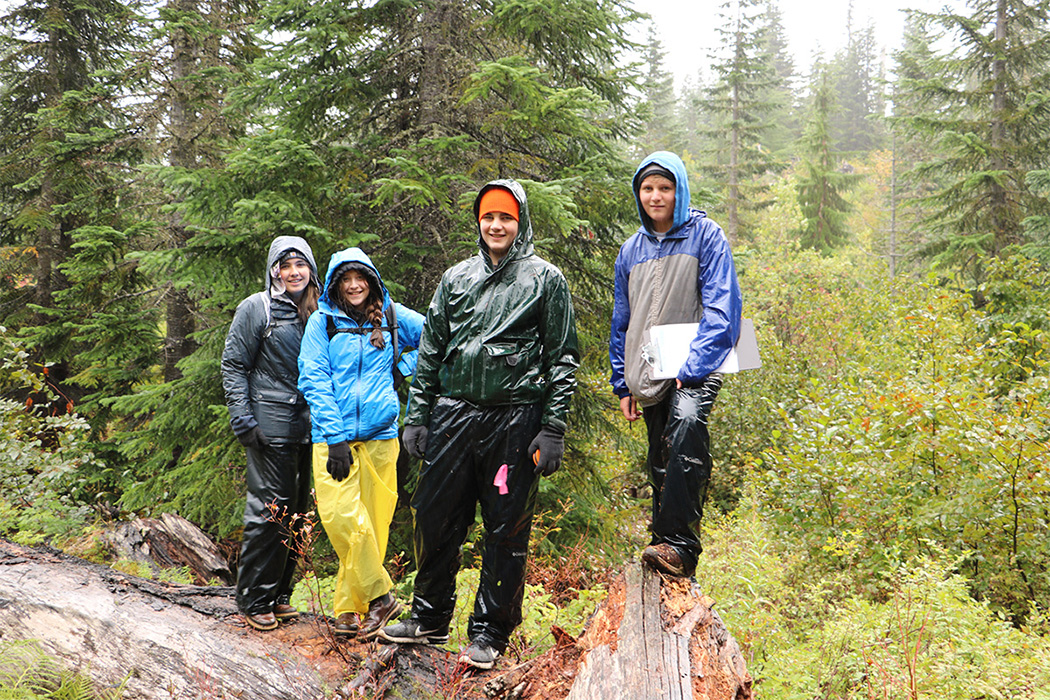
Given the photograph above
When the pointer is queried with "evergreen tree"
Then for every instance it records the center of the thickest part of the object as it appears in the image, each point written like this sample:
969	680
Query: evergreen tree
376	123
822	177
983	110
67	148
663	130
783	125
745	79
857	78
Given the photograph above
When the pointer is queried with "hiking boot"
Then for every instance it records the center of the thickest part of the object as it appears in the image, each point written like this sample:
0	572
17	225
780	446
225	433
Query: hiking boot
284	611
479	655
380	611
412	631
346	625
665	559
264	622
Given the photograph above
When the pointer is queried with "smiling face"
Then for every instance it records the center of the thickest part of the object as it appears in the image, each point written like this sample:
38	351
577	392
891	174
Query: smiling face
355	288
295	273
498	230
656	195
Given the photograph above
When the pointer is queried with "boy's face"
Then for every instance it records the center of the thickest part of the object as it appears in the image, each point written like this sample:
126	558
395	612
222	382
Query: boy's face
498	230
656	195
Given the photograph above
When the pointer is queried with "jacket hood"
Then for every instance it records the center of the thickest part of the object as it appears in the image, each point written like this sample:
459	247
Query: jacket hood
280	246
672	162
522	246
350	255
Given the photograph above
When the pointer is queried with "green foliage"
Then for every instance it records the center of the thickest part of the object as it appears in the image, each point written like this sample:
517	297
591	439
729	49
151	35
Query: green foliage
923	422
821	179
28	673
40	451
806	635
980	102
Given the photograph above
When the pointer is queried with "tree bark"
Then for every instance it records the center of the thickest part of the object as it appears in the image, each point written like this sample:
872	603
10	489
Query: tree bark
161	641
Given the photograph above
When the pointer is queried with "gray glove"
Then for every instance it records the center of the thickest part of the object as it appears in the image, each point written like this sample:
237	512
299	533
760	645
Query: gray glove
547	449
415	440
339	460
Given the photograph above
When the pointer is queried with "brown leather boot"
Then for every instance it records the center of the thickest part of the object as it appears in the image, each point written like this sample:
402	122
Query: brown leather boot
264	622
347	624
380	611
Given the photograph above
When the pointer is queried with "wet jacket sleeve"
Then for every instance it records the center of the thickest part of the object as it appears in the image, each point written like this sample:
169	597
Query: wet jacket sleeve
409	333
238	357
561	354
433	345
621	317
720	325
315	381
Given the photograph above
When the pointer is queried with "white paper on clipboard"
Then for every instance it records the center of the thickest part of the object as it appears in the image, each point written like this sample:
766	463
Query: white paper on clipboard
670	349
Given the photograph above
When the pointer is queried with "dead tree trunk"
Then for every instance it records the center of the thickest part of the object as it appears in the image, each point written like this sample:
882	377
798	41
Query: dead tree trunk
667	644
160	641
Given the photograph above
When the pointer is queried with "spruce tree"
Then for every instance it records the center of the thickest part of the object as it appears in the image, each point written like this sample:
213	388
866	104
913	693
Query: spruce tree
373	125
663	130
68	149
982	107
739	102
822	176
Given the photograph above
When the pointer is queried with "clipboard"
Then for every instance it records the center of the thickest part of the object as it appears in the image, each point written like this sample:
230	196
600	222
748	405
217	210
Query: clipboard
670	349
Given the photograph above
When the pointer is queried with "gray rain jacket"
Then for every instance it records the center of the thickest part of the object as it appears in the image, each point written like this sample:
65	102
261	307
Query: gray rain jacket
260	367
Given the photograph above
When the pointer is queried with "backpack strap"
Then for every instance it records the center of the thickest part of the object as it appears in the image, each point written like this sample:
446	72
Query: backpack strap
391	320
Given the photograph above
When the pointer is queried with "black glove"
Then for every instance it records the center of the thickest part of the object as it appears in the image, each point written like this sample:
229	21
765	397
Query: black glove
546	450
339	460
246	428
415	440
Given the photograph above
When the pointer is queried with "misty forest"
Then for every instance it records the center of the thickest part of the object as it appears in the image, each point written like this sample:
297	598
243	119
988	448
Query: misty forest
877	521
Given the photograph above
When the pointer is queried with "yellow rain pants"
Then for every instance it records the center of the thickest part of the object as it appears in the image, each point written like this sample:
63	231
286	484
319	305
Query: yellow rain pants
356	513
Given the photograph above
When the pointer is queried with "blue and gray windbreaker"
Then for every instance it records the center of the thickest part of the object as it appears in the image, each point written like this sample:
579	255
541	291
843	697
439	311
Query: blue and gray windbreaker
686	277
348	382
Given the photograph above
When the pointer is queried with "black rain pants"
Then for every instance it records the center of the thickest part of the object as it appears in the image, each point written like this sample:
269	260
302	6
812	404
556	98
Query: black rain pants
466	446
679	462
278	479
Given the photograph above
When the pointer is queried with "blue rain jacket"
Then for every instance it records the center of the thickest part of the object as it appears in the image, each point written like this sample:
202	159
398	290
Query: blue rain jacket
686	277
347	381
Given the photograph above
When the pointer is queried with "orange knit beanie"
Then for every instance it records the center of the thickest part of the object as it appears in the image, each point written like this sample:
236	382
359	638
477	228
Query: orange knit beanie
498	199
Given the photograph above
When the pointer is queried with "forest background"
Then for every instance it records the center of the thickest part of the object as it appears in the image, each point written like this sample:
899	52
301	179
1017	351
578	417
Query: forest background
878	518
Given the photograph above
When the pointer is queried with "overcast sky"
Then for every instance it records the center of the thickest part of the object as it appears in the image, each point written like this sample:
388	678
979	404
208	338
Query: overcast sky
686	27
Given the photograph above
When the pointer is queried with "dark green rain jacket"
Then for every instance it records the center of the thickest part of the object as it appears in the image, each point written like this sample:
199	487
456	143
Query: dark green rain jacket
498	336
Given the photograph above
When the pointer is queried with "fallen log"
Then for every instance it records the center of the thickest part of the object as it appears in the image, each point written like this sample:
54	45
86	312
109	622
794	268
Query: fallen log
160	641
166	542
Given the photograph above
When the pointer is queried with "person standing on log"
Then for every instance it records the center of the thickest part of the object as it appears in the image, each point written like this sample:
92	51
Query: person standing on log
271	419
487	415
677	268
349	367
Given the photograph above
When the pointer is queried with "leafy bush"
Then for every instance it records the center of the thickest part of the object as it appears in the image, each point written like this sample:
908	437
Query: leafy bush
40	452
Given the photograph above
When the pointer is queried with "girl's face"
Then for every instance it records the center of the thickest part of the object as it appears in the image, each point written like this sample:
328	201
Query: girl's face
295	273
355	289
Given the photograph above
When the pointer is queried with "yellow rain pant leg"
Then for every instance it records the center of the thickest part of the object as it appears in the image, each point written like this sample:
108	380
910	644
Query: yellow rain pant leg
356	513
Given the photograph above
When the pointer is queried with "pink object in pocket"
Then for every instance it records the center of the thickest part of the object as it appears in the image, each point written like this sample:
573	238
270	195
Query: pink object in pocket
500	481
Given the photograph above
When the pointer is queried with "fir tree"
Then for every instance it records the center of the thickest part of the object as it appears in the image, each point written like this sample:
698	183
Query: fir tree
745	79
822	177
663	130
984	111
